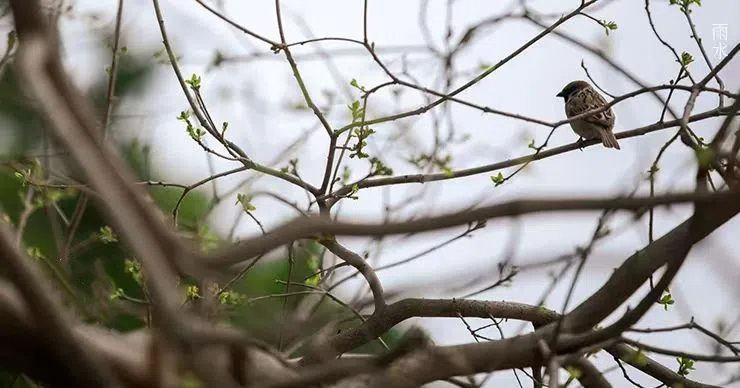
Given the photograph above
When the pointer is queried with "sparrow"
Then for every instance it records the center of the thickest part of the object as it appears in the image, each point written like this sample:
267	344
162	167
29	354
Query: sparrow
580	97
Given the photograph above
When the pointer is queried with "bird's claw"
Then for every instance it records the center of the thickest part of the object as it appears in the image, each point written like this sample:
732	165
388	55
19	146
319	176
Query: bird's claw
580	143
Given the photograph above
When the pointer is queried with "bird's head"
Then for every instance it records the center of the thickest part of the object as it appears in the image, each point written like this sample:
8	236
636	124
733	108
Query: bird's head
573	87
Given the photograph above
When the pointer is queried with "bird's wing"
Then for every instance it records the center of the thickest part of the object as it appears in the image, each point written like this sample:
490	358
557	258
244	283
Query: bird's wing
586	100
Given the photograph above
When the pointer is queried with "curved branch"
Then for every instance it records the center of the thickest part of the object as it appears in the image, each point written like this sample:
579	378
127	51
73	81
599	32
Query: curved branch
362	267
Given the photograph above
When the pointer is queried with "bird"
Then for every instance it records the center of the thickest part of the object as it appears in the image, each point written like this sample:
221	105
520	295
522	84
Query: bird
580	97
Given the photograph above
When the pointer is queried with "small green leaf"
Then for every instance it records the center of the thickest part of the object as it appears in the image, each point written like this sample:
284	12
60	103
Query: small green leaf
356	110
193	82
230	298
291	168
35	253
192	292
357	86
498	179
117	294
362	134
684	4
314	280
244	200
106	235
355	189
378	168
666	300
54	195
608	26
134	268
638	358
195	133
574	372
685	365
705	156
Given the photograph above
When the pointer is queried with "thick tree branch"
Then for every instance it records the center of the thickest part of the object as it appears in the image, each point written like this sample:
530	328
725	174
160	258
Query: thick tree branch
307	227
522	351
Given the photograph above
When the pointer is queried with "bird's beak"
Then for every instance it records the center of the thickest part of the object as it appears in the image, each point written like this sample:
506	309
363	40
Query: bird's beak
561	94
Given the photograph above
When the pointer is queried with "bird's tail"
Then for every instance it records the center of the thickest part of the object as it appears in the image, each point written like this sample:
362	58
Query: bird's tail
607	137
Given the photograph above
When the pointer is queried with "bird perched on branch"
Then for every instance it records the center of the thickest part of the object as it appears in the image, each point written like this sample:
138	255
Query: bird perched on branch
580	97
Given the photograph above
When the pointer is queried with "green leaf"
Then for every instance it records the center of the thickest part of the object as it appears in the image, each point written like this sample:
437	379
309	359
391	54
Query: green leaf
313	264
608	26
134	268
244	199
356	85
314	280
574	372
684	4
230	298
362	134
666	300
378	168
498	179
686	59
355	189
685	365
356	110
117	294
705	156
106	236
193	82
192	292
638	359
35	253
